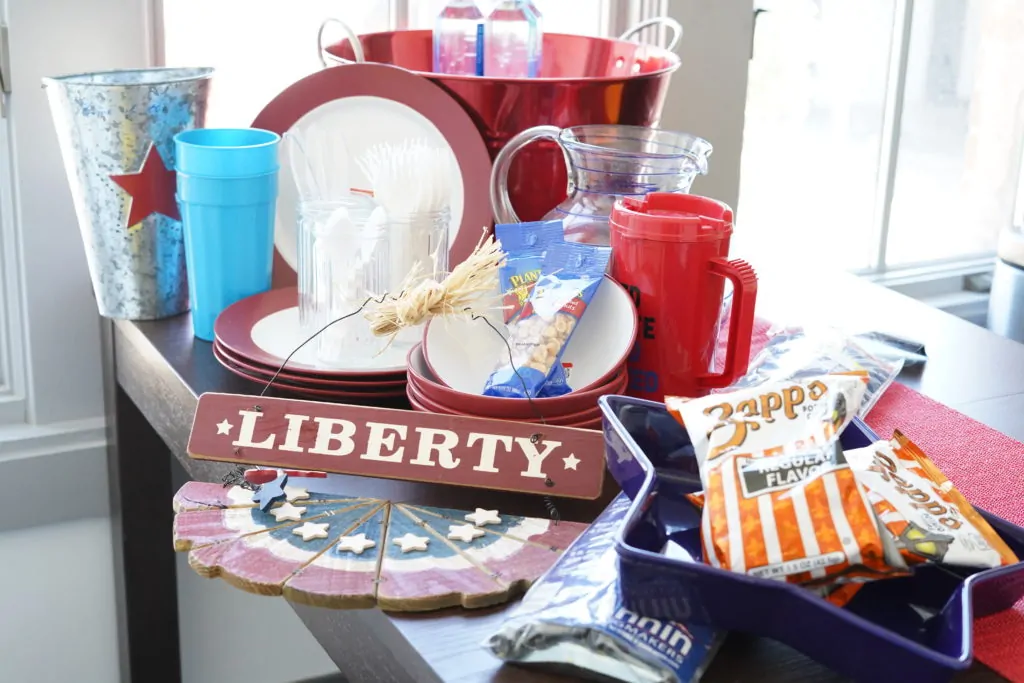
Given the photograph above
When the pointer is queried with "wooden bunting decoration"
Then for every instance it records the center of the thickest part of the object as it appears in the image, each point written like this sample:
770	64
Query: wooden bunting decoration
341	552
399	444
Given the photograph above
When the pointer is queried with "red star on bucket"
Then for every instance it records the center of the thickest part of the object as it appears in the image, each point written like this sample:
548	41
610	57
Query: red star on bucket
151	189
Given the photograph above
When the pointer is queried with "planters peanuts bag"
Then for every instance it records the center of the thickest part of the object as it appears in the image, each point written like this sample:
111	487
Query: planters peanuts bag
525	245
573	620
569	279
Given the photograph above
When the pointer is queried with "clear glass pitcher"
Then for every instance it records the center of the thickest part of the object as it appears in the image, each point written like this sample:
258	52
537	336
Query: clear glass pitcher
605	163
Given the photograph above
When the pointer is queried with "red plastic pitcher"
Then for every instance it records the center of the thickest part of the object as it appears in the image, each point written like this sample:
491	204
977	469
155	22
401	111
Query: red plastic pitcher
670	251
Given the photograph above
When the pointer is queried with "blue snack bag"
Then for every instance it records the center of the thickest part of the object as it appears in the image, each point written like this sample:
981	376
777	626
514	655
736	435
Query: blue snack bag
525	245
573	619
523	239
570	276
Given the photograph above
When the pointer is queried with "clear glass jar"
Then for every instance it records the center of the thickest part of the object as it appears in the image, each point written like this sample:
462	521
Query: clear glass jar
344	259
418	238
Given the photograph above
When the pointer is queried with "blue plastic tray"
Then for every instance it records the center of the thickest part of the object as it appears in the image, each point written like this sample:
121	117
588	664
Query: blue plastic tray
909	629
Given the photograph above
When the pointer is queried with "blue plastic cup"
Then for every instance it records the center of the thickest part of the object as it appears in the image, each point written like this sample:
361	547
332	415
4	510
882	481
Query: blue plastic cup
227	195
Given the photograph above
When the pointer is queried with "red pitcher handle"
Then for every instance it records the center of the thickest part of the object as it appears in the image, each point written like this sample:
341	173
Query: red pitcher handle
741	321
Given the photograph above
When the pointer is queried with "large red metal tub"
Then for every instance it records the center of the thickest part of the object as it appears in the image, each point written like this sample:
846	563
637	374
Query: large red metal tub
583	80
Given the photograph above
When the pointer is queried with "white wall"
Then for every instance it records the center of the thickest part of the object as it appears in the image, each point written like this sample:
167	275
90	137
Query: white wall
710	102
57	603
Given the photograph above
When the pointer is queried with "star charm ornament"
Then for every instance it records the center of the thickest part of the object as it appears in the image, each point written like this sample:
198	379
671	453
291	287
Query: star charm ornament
355	544
271	492
412	542
464	532
311	530
483	517
224	427
288	512
571	461
151	189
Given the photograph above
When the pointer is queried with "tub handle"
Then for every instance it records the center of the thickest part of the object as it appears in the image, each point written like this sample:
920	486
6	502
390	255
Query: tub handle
324	56
674	26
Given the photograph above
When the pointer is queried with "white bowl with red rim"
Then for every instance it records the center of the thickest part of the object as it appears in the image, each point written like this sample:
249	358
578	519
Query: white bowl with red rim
462	351
427	385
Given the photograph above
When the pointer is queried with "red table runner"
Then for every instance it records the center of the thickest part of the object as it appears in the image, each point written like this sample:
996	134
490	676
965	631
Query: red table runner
986	465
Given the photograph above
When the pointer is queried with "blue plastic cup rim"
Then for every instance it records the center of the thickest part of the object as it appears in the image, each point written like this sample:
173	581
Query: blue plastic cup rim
226	152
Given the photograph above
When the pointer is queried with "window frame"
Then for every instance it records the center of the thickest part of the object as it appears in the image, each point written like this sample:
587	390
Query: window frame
51	398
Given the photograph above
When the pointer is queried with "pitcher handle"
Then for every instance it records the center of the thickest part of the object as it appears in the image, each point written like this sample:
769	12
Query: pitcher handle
500	202
741	321
671	24
323	55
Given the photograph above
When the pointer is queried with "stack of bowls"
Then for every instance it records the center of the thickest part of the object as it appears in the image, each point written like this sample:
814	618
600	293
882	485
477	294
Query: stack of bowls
447	372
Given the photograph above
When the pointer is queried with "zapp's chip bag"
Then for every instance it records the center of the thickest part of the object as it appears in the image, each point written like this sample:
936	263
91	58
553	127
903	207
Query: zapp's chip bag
929	519
781	502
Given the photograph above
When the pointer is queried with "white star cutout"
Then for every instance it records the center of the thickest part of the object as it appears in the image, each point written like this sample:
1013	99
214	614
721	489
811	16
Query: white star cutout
295	493
288	512
410	542
464	532
356	544
311	530
571	461
483	517
224	427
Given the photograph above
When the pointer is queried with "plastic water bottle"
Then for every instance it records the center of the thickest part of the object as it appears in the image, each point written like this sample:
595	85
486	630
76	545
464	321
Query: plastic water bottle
512	41
539	33
458	34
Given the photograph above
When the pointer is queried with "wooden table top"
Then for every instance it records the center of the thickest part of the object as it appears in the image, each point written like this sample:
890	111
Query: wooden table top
163	369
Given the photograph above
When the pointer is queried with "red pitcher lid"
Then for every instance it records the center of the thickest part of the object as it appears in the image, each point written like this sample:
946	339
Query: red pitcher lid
672	217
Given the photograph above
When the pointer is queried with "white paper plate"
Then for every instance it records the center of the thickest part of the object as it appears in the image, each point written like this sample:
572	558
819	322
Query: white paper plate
375	103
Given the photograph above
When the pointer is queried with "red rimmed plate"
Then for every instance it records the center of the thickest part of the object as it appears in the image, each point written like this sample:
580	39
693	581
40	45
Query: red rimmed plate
373	103
305	390
371	384
264	329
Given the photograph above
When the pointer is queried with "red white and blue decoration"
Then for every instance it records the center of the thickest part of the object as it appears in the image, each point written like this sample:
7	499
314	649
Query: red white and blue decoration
348	552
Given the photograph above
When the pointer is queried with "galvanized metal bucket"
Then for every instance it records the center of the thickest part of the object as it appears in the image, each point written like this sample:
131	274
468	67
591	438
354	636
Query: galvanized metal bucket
116	131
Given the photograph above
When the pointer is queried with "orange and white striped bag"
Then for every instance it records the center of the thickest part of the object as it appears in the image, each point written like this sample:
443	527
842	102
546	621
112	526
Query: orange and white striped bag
780	500
928	518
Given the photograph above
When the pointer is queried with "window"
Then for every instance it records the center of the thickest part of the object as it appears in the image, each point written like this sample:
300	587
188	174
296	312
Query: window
12	397
884	135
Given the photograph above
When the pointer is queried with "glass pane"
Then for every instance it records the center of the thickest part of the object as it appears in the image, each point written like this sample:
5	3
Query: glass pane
962	129
813	131
257	49
560	16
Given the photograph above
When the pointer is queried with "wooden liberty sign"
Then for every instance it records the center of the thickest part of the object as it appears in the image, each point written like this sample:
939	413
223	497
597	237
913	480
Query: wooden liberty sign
399	444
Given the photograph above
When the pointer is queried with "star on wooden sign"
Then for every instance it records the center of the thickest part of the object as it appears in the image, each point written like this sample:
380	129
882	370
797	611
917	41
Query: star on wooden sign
356	544
411	542
483	517
151	189
288	512
311	530
464	532
294	493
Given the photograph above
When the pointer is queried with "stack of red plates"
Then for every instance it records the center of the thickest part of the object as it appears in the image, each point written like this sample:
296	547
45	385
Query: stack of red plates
447	372
575	409
255	337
